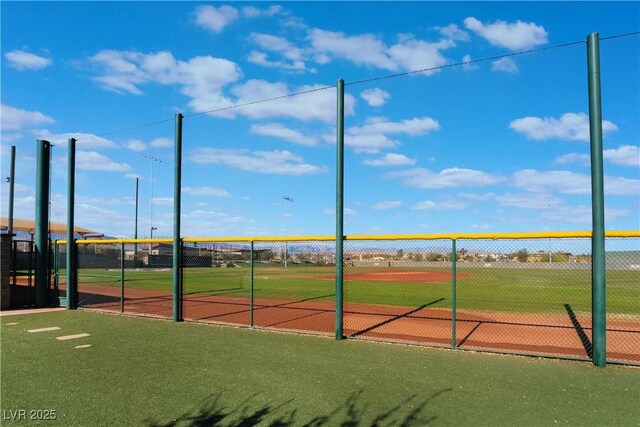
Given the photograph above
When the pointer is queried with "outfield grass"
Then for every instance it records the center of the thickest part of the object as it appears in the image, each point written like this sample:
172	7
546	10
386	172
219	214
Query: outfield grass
496	289
150	372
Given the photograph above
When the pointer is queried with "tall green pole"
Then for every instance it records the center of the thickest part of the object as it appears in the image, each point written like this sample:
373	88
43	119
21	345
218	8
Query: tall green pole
135	230
12	186
454	302
42	223
339	210
121	277
72	285
251	288
598	268
177	246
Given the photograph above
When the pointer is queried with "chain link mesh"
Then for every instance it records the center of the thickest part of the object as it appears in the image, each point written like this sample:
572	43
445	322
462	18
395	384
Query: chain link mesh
520	296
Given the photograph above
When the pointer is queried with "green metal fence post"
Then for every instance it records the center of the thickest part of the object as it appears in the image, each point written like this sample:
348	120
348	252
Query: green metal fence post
251	288
454	262
339	210
121	277
598	268
56	266
72	284
12	186
135	229
42	223
177	244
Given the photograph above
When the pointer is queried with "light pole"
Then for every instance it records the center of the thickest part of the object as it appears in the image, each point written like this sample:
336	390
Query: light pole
152	160
286	229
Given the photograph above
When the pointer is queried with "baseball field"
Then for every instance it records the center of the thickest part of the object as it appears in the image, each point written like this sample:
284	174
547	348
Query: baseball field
518	310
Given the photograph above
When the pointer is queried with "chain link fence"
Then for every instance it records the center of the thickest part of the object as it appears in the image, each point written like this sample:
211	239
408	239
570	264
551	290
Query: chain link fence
294	286
519	296
623	299
398	291
216	282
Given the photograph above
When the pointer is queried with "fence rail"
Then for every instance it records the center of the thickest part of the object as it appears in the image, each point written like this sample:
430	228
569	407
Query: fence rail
520	293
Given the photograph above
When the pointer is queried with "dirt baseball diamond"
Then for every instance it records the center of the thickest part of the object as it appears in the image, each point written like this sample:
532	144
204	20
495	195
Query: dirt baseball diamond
532	333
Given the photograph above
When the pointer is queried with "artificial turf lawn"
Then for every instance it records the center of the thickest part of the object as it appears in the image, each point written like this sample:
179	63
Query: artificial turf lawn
151	372
530	290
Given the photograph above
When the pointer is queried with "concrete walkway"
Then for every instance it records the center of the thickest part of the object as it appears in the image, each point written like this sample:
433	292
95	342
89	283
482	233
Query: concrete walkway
29	311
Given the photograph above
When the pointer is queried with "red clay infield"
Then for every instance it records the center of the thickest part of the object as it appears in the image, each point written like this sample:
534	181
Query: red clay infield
533	333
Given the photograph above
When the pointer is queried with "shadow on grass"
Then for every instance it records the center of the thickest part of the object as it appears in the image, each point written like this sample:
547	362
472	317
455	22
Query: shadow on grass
411	411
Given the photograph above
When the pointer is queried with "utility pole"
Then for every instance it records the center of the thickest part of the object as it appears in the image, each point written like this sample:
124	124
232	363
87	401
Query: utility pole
152	160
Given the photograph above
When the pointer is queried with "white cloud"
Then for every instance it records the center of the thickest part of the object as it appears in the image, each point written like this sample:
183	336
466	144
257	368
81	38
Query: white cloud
481	226
380	125
206	191
581	214
261	58
466	63
627	155
16	119
372	136
453	32
391	159
135	145
254	12
474	197
506	65
529	201
573	157
370	144
447	178
369	50
163	201
571	126
215	18
429	205
375	97
201	78
572	183
268	162
365	49
280	131
390	204
514	36
94	161
204	78
320	104
84	141
282	46
9	137
278	44
410	55
332	211
161	143
132	176
21	60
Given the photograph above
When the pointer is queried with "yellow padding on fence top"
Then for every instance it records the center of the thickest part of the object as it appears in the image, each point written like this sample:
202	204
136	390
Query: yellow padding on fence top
261	239
355	237
113	241
491	236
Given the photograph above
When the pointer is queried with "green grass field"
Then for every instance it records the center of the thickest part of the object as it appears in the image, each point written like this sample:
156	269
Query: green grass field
157	373
507	289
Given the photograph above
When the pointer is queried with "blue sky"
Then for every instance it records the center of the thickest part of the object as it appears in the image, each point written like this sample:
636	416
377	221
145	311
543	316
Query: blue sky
495	145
